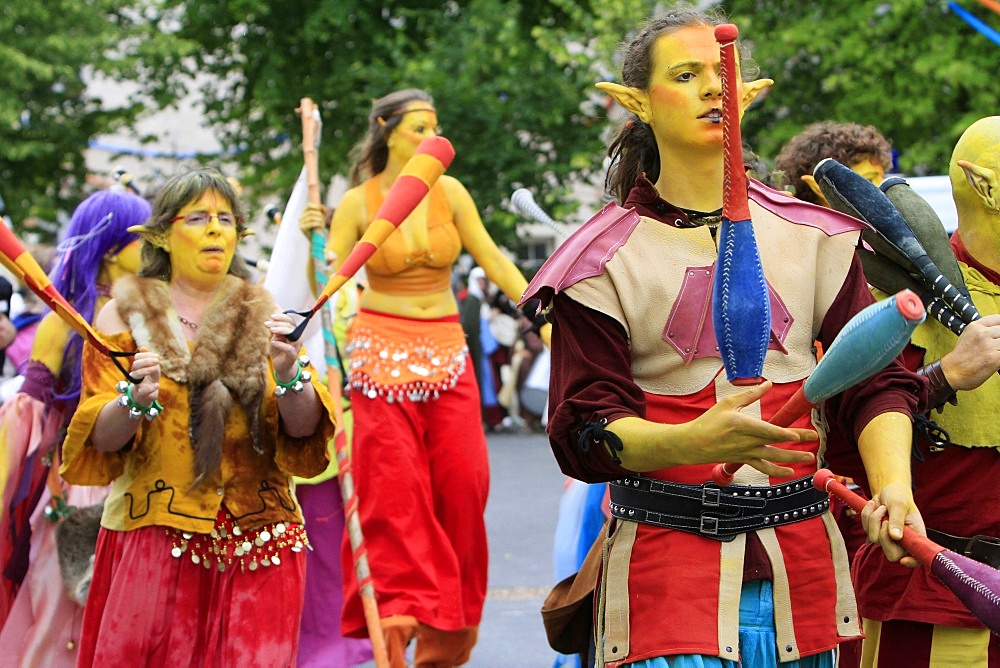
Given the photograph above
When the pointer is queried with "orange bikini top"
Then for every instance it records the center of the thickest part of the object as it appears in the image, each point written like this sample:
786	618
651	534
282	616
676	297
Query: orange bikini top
397	269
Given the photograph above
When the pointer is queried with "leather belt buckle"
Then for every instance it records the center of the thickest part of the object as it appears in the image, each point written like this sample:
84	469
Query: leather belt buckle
711	497
984	549
709	525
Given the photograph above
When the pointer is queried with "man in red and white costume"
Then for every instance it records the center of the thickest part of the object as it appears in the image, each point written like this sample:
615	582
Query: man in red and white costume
638	397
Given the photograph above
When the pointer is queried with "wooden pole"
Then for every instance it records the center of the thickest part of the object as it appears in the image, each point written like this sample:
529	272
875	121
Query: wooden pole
344	476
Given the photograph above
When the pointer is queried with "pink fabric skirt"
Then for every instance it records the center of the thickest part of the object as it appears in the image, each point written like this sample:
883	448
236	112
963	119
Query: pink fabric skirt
149	607
321	644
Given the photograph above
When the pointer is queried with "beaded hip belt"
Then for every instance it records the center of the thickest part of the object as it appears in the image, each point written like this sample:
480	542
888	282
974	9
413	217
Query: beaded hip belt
227	546
404	359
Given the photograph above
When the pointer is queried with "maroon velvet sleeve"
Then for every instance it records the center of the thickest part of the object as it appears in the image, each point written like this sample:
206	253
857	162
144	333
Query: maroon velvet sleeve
894	389
590	381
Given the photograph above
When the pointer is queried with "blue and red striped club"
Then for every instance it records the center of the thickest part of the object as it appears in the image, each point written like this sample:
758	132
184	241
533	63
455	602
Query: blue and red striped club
741	310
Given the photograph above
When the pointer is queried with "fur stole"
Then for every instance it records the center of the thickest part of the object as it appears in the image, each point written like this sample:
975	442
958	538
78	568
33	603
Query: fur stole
76	542
228	360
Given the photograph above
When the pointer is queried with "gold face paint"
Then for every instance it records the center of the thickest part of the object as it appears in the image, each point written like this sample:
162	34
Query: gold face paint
202	239
685	89
414	127
128	259
871	170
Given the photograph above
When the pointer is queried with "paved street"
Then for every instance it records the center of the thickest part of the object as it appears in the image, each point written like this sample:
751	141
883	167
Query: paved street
520	518
526	486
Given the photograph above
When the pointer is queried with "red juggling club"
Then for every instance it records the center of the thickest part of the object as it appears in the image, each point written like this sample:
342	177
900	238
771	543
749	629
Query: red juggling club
975	584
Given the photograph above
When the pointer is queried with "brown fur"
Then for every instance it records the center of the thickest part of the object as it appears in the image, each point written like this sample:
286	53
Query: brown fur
208	424
229	358
76	541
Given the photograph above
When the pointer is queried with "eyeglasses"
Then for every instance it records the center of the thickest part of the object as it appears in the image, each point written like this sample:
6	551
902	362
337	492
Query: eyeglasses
225	218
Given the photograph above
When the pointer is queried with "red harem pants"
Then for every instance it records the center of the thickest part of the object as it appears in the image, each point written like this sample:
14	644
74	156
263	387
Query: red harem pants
148	608
421	471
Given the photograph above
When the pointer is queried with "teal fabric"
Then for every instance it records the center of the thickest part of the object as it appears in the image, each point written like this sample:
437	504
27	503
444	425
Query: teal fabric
758	642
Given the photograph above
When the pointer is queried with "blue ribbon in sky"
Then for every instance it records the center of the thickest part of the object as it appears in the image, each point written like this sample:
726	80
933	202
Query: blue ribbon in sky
988	32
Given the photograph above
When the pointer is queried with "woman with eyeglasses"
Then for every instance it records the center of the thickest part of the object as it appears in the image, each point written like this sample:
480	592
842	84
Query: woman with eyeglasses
200	555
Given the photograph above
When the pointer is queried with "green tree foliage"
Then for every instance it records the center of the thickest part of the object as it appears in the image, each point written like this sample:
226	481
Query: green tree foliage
513	81
515	99
49	50
911	68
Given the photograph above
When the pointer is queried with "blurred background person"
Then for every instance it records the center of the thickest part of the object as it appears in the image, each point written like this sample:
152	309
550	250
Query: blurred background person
40	612
910	618
420	459
862	148
321	642
865	150
7	329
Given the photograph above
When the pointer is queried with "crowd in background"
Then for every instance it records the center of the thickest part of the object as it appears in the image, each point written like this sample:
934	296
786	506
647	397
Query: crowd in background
511	363
510	359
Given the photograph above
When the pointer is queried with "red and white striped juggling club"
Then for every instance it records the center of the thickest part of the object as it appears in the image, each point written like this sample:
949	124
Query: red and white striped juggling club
856	195
429	162
865	346
975	584
741	308
26	269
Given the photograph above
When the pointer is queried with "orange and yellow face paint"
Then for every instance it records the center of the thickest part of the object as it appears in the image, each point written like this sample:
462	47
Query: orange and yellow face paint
200	252
419	121
870	170
129	259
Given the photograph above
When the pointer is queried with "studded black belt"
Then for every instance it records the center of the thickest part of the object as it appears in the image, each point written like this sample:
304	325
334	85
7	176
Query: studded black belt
716	512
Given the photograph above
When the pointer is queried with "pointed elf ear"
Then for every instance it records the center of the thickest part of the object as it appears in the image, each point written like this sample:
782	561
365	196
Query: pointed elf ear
632	99
159	239
245	233
984	183
810	181
751	89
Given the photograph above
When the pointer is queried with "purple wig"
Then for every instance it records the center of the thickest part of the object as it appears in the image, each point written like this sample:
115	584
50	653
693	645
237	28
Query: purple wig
98	228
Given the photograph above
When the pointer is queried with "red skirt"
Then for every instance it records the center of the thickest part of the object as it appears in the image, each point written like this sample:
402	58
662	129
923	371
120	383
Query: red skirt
159	598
